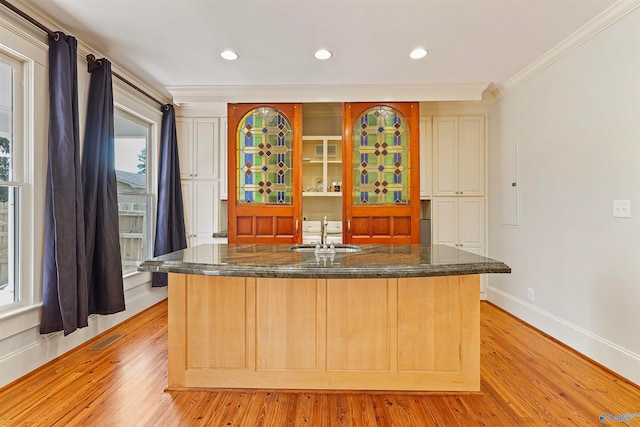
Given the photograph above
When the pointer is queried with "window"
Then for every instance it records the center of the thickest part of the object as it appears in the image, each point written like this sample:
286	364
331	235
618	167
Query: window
11	178
134	198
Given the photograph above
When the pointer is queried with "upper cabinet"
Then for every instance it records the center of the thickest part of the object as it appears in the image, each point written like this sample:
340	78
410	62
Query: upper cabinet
197	145
458	156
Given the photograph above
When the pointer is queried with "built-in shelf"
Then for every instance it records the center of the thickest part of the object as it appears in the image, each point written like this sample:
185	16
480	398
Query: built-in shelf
322	165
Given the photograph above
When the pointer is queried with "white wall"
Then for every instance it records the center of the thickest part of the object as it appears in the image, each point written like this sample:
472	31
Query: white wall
576	126
22	348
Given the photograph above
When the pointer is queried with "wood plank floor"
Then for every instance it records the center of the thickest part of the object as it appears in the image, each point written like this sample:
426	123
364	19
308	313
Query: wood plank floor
527	380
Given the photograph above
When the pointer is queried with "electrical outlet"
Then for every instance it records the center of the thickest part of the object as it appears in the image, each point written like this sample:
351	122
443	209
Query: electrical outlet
622	208
530	294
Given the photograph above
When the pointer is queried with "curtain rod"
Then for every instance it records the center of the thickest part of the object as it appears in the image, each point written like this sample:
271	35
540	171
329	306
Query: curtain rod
93	63
91	59
28	18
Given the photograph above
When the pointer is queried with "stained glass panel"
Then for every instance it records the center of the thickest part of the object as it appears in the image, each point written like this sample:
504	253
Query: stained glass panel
264	156
381	141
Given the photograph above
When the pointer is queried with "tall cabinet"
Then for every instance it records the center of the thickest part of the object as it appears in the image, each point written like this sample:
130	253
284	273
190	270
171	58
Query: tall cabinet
199	147
458	207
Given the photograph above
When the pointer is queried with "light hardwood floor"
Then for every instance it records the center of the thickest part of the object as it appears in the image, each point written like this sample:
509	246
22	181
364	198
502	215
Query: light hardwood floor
527	380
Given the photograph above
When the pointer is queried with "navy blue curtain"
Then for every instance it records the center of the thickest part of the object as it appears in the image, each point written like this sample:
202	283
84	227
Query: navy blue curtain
104	263
64	302
170	233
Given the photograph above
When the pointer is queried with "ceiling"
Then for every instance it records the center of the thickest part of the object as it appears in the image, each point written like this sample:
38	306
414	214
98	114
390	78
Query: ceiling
178	42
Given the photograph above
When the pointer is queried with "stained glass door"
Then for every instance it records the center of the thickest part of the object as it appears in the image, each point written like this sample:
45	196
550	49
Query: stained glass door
264	173
381	194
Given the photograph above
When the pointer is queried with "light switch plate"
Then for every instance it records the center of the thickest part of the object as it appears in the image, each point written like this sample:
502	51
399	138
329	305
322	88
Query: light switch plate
622	208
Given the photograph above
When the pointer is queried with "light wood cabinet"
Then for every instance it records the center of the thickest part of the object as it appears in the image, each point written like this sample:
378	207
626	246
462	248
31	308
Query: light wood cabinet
459	222
405	334
458	156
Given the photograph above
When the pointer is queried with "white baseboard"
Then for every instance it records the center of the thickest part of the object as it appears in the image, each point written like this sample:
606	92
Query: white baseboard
607	353
44	348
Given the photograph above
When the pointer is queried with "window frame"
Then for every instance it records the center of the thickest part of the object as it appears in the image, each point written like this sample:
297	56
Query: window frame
22	179
151	126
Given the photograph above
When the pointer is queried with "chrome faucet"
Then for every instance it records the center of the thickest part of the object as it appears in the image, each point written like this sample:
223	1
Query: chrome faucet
323	239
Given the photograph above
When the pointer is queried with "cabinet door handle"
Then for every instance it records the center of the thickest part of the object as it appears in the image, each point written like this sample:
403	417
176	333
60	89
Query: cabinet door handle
297	225
349	226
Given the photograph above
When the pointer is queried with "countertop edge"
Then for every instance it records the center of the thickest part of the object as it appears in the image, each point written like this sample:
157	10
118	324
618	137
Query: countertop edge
309	272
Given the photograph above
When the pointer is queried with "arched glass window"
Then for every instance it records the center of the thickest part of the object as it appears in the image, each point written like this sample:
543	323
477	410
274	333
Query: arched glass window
381	141
264	167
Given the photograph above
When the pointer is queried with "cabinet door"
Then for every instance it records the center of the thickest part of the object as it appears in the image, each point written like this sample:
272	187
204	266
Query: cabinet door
200	213
471	224
445	156
459	222
205	215
445	216
382	173
187	206
471	164
426	154
265	173
184	132
205	148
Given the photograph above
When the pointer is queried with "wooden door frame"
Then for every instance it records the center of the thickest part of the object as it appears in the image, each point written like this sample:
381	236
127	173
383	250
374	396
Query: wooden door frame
235	113
411	112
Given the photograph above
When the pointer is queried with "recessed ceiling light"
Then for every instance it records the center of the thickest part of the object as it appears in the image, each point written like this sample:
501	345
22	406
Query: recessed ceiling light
418	53
323	54
229	55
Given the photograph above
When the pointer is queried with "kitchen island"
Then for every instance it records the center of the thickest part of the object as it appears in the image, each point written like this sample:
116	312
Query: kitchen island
388	317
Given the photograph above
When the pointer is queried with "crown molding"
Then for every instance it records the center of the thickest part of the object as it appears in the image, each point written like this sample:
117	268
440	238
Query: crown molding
186	95
29	32
598	24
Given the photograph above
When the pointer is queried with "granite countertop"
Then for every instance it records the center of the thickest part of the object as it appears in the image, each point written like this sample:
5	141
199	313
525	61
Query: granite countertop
265	260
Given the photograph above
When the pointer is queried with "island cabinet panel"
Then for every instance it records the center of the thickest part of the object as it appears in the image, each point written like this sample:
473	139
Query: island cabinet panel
218	337
358	316
287	324
419	334
429	320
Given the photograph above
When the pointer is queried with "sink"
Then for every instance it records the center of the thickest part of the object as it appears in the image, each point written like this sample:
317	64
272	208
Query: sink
333	248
